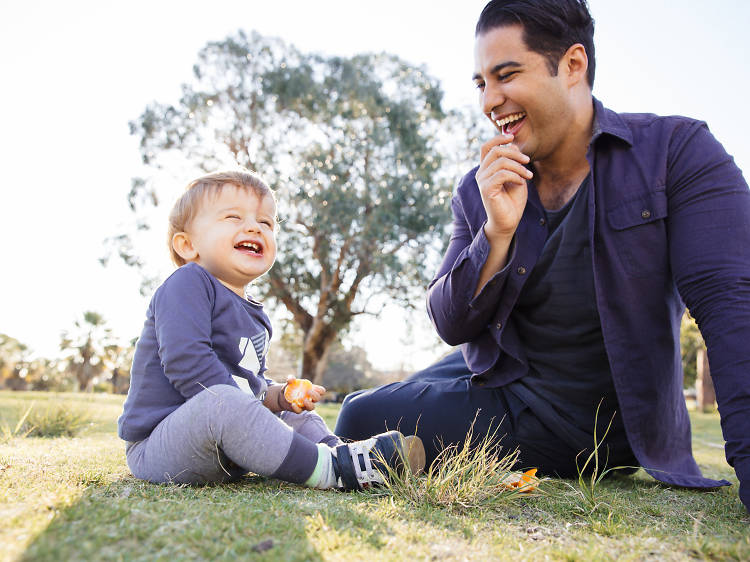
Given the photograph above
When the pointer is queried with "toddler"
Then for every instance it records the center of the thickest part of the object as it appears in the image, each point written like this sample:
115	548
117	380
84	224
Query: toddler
199	408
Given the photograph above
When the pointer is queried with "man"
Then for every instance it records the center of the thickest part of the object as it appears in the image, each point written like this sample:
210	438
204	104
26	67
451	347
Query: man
576	242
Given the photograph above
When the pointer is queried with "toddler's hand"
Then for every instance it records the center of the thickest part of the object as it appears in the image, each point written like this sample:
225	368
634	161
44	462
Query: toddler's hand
301	394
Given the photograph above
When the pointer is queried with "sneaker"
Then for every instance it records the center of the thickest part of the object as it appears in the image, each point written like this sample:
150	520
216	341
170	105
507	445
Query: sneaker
361	464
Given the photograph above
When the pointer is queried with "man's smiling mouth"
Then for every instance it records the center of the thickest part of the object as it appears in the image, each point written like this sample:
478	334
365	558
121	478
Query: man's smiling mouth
509	124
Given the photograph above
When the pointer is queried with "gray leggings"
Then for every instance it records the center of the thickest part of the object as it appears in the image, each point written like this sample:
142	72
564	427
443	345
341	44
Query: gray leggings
221	434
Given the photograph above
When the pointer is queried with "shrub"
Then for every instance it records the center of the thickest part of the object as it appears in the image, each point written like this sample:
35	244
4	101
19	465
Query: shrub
56	420
19	430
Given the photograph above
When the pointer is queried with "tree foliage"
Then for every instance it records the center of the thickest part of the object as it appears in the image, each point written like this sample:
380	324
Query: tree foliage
690	342
14	362
347	370
87	347
349	144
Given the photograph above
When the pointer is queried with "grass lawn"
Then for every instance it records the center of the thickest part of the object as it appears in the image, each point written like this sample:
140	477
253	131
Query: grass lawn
74	499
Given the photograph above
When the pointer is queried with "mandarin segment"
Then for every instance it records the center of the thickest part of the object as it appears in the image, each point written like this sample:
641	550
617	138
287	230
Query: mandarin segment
296	391
524	482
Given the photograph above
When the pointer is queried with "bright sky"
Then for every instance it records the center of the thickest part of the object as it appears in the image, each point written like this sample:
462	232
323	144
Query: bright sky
74	73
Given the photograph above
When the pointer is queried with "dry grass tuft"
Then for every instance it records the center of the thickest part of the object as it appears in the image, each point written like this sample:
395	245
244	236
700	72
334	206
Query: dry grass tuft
56	420
464	476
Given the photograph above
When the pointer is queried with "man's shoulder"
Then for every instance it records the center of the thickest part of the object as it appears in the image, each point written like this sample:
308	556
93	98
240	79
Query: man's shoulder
637	126
653	119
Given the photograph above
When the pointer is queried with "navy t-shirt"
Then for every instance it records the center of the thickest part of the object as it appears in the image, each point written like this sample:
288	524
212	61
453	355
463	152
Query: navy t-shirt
197	333
558	323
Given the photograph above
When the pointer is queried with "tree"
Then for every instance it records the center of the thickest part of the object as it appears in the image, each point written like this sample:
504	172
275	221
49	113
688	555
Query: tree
86	346
351	146
49	375
118	359
347	370
690	342
13	363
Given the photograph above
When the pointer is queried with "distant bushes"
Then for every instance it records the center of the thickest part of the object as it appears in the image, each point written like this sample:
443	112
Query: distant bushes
51	420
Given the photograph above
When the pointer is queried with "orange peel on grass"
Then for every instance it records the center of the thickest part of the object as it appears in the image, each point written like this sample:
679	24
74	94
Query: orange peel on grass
523	482
296	391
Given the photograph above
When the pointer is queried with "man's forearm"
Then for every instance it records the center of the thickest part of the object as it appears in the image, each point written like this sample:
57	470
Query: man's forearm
497	259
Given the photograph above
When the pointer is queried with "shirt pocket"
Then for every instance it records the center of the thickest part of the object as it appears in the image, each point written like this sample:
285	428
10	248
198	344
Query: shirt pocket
640	233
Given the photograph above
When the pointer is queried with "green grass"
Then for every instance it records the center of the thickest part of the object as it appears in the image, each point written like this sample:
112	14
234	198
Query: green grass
73	498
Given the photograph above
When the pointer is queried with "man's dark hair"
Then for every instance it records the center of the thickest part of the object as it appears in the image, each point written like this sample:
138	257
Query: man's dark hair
550	27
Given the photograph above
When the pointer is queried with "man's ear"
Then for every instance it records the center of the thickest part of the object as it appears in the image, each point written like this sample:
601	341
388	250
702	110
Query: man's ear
575	63
184	247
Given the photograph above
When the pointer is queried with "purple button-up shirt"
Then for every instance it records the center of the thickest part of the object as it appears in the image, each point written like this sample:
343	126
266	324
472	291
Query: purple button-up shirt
669	222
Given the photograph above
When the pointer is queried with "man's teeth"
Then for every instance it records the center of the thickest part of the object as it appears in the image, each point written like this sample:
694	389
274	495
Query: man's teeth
509	119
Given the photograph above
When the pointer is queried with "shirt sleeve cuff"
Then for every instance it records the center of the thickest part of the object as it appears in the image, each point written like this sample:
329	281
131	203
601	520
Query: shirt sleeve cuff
477	255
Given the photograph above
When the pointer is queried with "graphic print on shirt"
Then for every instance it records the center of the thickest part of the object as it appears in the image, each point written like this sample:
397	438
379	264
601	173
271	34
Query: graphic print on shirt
252	356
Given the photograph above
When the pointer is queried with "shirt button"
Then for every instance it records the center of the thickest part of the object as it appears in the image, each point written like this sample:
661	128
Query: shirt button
499	326
521	270
542	221
645	213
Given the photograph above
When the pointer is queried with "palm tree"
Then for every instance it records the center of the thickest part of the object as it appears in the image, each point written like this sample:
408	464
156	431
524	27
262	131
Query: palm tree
13	362
87	346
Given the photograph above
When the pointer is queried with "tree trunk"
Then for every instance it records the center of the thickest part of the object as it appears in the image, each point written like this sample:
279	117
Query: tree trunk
315	350
705	396
85	377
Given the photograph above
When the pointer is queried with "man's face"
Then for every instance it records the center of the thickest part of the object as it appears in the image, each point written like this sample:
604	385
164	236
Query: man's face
518	93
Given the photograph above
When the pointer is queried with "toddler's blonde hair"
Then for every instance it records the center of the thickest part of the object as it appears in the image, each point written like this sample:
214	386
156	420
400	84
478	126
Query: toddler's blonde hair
187	205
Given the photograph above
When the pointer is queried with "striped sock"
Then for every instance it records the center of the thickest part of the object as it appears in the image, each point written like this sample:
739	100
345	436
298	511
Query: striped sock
323	477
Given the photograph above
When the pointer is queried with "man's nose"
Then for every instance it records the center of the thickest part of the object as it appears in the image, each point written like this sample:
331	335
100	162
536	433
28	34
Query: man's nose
493	97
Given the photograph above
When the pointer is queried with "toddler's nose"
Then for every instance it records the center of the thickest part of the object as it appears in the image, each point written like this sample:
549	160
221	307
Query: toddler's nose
251	225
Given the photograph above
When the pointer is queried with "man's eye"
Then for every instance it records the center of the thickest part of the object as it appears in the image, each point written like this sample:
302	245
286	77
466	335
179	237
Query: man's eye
504	77
479	85
233	217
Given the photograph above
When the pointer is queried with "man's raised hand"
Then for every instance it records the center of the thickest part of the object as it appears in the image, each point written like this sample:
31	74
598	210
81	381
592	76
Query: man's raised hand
501	178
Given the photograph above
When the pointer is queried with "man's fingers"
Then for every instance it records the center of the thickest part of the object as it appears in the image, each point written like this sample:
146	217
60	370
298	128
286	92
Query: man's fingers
502	145
503	164
503	181
507	152
499	140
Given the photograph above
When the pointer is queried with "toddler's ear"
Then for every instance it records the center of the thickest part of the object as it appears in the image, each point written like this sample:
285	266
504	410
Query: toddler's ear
184	247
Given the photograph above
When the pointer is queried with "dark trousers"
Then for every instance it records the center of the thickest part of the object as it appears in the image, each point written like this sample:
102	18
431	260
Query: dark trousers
440	404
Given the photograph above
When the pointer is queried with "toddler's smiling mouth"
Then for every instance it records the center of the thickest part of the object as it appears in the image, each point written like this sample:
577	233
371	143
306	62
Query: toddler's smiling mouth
250	247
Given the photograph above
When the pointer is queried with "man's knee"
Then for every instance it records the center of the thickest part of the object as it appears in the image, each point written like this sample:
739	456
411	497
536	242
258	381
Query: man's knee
367	412
349	397
351	416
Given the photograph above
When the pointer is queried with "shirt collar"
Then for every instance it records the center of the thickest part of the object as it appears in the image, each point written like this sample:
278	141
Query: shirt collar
608	122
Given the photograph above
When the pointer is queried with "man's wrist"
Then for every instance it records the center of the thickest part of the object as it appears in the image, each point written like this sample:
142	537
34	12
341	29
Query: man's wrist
495	238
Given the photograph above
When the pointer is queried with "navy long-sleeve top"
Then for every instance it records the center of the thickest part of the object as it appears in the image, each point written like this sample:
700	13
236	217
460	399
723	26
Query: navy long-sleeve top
197	333
669	223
